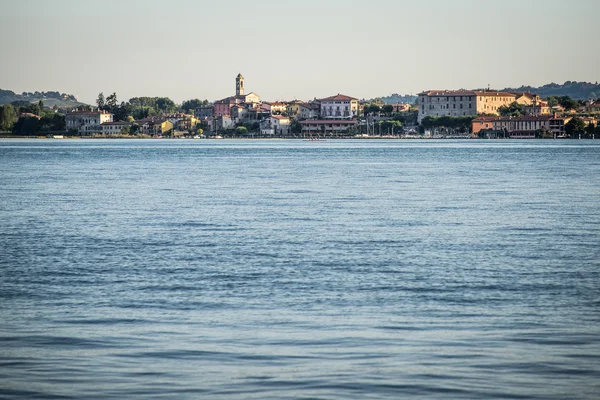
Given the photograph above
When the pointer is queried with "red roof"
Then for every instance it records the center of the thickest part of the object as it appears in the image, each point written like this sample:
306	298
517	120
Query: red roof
463	92
339	97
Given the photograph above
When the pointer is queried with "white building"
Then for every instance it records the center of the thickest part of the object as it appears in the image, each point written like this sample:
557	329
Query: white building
114	128
275	125
339	107
87	122
309	110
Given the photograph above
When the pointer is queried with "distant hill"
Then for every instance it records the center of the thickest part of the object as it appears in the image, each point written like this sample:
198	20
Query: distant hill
575	90
396	99
50	99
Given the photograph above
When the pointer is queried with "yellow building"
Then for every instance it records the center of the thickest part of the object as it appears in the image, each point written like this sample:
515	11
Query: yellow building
155	126
293	108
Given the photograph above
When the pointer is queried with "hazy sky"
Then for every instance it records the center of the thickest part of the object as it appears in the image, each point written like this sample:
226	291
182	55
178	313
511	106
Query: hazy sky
293	49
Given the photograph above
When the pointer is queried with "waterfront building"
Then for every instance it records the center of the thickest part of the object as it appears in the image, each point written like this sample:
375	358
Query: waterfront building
523	126
339	107
277	125
224	122
310	110
114	128
87	122
459	103
183	122
293	108
155	126
315	127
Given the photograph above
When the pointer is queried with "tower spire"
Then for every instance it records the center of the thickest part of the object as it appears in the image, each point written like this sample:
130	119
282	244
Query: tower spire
239	85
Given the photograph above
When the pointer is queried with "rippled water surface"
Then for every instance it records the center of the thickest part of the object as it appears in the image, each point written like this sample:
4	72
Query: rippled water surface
291	269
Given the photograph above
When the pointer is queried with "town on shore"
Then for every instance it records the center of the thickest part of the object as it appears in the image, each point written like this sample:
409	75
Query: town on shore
481	113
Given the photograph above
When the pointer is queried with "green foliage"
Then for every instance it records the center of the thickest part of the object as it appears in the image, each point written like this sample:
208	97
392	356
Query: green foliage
142	107
590	130
372	109
575	90
100	101
111	102
575	127
396	99
552	101
188	106
447	122
387	109
50	122
241	130
514	109
389	126
568	103
8	96
8	117
295	126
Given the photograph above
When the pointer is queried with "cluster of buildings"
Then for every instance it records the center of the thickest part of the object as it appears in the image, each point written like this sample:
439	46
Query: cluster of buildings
331	114
100	122
339	114
537	116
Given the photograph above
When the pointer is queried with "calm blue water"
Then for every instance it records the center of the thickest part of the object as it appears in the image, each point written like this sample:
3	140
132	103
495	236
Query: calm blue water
299	270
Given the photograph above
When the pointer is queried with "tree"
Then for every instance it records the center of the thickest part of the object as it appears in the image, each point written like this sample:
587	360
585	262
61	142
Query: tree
100	102
390	126
296	126
27	126
8	117
388	109
372	109
111	102
568	103
552	101
189	105
514	109
590	130
241	130
575	127
166	105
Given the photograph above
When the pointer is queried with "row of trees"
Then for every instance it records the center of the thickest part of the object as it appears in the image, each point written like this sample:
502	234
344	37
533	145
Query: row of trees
143	107
34	118
564	101
462	124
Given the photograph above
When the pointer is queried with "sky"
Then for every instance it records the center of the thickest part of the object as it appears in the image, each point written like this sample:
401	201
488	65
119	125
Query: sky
185	49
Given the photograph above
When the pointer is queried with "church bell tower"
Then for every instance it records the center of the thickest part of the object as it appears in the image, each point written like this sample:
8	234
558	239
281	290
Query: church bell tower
239	85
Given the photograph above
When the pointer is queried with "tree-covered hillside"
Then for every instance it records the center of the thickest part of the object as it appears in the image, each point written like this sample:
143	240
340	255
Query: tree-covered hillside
575	90
50	99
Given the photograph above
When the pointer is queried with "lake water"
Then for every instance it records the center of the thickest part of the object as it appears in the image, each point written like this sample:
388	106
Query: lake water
299	270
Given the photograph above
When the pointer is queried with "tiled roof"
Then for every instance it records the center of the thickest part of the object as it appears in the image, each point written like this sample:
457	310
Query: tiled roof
464	92
460	92
116	123
339	97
